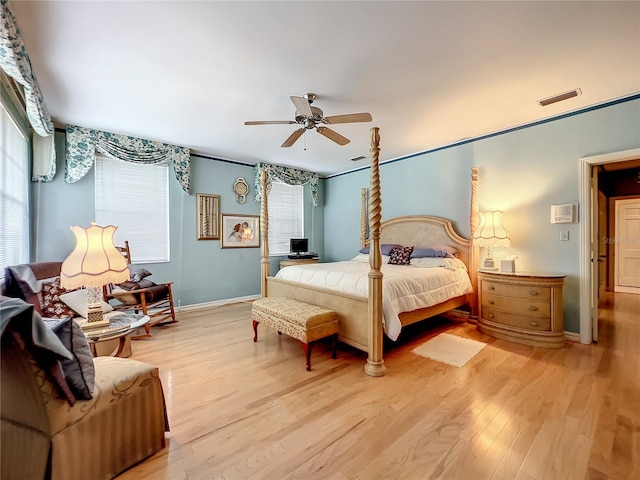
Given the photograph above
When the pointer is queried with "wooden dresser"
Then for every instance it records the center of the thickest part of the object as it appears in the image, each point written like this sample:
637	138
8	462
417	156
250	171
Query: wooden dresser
521	307
292	261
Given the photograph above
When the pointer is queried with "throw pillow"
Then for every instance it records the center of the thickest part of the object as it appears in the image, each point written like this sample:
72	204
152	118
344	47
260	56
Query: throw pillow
444	251
137	273
77	301
52	306
385	248
400	256
79	372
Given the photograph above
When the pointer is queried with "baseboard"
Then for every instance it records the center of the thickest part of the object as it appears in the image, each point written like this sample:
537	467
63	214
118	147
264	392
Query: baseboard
572	337
216	303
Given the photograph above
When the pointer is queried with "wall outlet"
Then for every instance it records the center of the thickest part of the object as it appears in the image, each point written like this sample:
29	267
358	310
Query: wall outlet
564	236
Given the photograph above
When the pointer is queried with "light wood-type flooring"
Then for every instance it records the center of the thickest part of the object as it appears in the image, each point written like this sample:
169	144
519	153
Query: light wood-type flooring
244	410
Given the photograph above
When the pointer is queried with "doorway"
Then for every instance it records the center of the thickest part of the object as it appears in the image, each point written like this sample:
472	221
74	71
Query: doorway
590	235
627	246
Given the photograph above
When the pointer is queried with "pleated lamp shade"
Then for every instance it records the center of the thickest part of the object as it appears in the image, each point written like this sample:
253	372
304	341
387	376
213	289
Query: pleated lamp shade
94	261
491	233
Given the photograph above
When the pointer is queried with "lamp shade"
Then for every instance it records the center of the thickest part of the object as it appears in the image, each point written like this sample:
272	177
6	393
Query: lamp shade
94	261
491	233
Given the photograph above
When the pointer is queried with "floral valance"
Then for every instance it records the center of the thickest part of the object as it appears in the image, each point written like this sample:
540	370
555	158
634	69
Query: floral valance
288	175
82	144
15	63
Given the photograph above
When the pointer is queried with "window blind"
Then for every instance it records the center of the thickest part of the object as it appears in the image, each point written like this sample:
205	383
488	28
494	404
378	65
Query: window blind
135	198
286	216
14	193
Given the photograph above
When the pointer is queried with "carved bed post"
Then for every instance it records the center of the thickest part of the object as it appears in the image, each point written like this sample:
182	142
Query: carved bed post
265	265
375	363
474	250
363	219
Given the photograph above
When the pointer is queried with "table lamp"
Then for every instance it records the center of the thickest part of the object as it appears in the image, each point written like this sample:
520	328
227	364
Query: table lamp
491	233
93	263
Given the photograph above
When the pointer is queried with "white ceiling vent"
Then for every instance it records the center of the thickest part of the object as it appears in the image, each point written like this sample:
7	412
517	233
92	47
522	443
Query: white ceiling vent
560	97
358	158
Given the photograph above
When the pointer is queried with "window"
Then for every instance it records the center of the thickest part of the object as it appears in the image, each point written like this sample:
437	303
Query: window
135	198
14	193
286	216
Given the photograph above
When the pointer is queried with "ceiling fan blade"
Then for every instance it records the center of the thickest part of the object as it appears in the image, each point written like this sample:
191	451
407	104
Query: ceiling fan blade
302	106
348	118
333	135
270	122
293	137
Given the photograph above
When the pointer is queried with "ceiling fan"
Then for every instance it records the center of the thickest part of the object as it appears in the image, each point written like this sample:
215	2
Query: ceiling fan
312	117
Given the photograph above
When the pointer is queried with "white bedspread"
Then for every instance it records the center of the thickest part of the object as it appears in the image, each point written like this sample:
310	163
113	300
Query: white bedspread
405	287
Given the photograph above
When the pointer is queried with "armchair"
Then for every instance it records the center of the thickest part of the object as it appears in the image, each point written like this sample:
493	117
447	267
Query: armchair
154	300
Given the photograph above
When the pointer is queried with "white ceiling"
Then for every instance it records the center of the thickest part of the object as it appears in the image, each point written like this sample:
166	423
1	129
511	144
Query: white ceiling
430	73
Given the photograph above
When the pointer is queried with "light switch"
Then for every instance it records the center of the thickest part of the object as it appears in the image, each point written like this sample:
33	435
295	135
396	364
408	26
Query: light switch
564	236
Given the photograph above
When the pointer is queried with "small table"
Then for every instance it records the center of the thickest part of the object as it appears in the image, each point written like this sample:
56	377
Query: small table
121	326
301	261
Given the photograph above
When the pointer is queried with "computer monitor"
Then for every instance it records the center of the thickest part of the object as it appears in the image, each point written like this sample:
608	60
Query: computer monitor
299	245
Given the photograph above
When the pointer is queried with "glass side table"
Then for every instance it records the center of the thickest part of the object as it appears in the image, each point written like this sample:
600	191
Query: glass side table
121	325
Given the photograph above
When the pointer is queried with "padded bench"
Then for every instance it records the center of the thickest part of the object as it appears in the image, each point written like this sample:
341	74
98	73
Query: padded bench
302	321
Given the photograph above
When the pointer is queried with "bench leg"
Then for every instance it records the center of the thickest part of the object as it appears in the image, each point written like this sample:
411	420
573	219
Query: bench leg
307	354
255	331
335	342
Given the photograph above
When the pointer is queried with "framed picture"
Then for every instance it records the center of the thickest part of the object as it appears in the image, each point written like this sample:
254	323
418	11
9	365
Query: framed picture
240	231
208	215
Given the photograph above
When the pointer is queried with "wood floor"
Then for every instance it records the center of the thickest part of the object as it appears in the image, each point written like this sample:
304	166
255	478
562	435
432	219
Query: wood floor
244	410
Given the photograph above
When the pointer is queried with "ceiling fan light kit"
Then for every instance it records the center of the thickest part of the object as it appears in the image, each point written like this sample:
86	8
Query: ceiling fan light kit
313	117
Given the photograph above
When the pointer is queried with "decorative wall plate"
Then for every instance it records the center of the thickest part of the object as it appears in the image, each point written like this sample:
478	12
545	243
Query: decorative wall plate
241	189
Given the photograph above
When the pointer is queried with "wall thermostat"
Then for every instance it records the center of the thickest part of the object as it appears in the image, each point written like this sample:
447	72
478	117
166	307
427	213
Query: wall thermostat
567	213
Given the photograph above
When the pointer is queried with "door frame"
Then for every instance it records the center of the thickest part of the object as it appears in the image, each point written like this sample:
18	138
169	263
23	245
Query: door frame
585	165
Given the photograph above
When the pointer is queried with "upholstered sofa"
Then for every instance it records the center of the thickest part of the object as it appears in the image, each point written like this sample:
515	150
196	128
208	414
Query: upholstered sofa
45	432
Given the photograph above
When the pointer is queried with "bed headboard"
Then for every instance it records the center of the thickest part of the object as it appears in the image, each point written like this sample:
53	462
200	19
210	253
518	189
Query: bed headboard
424	231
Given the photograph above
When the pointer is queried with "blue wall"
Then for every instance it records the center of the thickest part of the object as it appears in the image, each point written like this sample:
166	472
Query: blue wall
522	172
201	270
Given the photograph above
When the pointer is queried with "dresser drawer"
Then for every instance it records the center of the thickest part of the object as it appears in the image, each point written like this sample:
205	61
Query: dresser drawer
541	294
514	320
517	305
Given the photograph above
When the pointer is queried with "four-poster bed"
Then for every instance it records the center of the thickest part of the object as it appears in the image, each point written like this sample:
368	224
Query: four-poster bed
361	316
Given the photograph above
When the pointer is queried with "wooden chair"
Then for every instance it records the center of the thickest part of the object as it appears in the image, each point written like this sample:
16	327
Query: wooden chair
155	301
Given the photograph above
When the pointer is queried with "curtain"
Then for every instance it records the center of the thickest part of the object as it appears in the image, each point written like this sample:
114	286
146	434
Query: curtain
288	175
82	144
15	62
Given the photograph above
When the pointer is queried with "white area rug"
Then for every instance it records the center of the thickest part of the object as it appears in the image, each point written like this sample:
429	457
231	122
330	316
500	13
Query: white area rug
450	349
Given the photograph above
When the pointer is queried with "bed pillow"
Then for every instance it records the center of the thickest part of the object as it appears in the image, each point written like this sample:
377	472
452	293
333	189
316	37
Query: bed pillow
52	305
79	372
77	301
385	248
364	258
400	256
445	251
449	263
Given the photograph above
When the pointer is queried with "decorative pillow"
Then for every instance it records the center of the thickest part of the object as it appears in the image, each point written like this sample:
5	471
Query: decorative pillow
445	251
77	301
136	285
79	372
137	273
400	256
364	258
52	305
385	248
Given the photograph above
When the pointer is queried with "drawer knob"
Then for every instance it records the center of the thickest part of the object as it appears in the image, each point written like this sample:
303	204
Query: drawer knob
533	323
490	315
490	302
491	287
533	308
533	293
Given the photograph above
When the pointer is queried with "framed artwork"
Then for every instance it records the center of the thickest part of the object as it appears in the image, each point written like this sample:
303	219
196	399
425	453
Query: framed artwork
208	215
240	231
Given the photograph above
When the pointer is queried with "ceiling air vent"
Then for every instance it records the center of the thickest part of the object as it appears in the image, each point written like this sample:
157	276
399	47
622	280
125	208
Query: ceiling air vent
355	159
560	97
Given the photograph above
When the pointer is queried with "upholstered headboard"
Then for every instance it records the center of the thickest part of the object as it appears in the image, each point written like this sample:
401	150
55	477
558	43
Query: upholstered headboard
424	231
